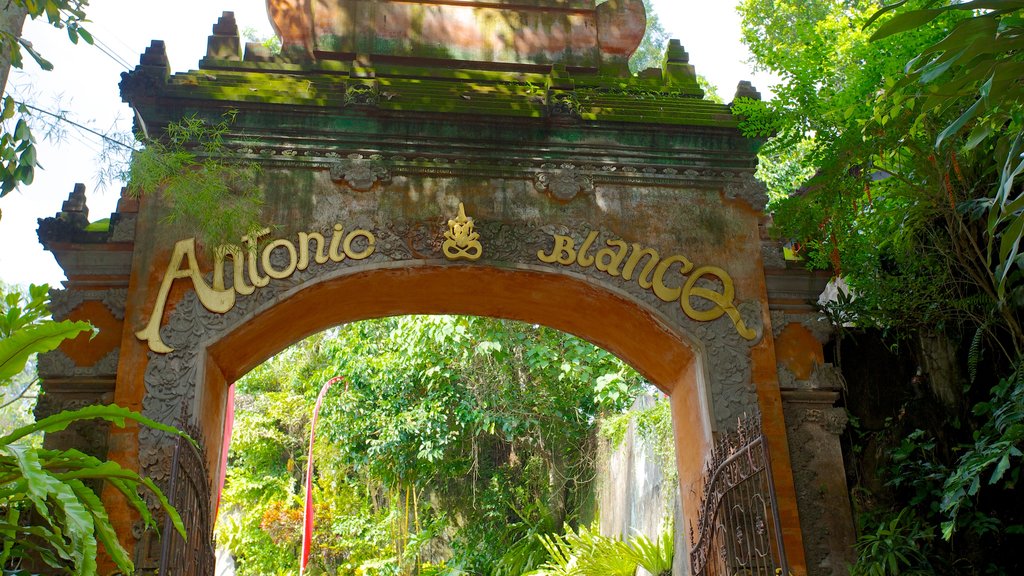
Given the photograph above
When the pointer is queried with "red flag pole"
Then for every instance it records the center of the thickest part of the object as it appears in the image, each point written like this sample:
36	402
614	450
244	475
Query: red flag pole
307	512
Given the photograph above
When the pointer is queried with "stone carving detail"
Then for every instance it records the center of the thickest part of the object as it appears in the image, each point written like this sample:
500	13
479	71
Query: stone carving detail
832	420
564	182
64	302
819	325
361	173
123	230
748	189
115	301
772	256
779	322
57	364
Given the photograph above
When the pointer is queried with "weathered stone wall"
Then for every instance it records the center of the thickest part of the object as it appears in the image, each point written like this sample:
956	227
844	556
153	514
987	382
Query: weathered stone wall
634	495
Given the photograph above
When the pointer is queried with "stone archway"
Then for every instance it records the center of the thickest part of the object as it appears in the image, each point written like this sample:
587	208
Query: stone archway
618	208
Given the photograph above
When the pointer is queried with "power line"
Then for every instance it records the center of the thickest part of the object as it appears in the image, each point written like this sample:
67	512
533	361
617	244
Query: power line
82	127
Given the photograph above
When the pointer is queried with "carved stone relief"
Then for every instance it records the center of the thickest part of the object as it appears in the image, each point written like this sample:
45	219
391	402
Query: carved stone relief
361	173
563	182
64	302
57	364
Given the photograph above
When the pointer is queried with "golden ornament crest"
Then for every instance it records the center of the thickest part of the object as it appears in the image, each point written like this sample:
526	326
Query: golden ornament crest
462	242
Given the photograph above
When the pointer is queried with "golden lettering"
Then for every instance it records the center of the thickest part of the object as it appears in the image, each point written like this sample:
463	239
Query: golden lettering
319	258
237	266
644	280
371	244
582	259
723	301
664	292
292	259
609	260
251	246
335	252
563	252
218	301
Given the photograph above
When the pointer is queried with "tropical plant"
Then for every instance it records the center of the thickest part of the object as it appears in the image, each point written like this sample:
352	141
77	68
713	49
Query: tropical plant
586	552
48	509
209	192
894	548
654	556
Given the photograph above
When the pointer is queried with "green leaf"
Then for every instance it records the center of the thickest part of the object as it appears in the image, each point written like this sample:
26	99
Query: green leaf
21	130
1001	468
42	62
35	339
905	21
111	413
964	118
104	530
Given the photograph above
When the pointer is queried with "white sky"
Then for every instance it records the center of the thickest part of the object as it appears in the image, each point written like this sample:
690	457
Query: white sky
85	81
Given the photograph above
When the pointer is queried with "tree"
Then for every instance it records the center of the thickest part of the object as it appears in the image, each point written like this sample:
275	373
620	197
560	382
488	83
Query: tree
893	162
17	146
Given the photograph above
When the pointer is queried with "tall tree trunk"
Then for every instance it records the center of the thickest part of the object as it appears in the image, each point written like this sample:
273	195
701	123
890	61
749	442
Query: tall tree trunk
559	485
12	19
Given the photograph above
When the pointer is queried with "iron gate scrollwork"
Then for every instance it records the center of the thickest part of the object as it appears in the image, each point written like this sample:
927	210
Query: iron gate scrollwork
738	524
189	493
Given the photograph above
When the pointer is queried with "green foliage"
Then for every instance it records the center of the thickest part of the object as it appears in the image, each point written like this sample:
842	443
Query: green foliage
894	548
16	349
453	443
585	552
655	557
997	447
757	120
48	511
17	146
209	193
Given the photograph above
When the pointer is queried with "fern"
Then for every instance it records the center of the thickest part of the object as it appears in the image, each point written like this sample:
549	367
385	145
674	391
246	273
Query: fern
975	352
655	557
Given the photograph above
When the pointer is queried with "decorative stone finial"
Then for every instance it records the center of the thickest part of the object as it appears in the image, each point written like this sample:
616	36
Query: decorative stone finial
149	76
676	53
257	52
678	70
74	211
746	90
155	56
224	44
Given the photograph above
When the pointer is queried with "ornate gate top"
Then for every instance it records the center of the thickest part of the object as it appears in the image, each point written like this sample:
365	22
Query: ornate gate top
569	32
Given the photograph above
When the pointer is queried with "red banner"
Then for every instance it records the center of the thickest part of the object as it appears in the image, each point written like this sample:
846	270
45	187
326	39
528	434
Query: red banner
307	513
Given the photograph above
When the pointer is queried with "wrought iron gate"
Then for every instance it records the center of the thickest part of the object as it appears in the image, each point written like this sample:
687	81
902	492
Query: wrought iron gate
738	523
189	493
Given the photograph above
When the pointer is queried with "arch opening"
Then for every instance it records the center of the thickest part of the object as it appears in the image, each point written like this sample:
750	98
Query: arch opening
464	437
564	302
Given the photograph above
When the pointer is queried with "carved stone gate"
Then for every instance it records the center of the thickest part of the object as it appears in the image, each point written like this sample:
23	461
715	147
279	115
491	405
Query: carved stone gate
492	158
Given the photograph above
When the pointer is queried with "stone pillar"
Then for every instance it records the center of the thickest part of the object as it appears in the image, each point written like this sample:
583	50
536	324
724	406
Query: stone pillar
96	259
810	389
